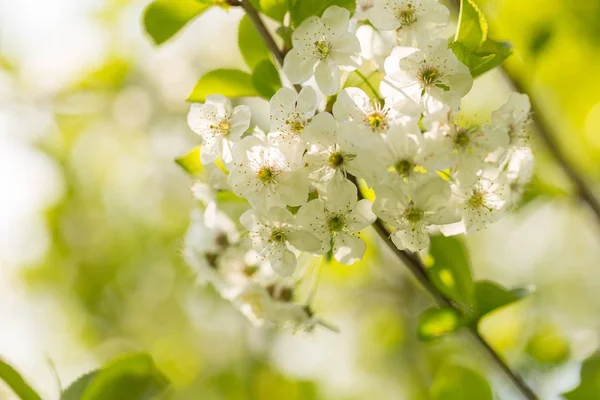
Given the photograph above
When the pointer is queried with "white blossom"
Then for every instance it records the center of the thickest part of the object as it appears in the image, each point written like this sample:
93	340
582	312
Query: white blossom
362	9
291	112
335	218
322	47
268	174
219	125
431	76
514	118
415	21
375	45
413	211
275	235
331	155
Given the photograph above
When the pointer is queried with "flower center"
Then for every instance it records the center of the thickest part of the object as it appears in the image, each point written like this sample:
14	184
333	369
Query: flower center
429	76
336	223
408	16
404	167
477	200
461	140
277	236
296	126
323	49
413	215
250	270
378	121
336	159
222	127
280	293
266	175
222	240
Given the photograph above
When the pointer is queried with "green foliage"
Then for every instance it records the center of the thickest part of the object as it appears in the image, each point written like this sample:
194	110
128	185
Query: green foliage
451	270
228	82
472	27
16	382
164	18
275	9
590	381
471	44
265	79
132	377
303	9
251	45
437	322
367	78
490	296
456	382
191	163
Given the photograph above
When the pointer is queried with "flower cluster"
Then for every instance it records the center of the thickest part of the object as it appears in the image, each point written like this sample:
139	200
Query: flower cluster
296	198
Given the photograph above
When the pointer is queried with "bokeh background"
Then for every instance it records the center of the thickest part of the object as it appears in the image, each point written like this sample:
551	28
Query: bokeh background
93	210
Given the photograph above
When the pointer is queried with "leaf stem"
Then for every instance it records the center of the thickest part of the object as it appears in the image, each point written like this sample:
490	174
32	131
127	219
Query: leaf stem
412	262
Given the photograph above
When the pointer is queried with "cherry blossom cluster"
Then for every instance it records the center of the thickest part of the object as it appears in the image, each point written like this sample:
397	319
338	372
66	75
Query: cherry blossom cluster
296	199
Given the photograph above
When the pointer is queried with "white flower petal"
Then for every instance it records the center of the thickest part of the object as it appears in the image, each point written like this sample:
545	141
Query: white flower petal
348	249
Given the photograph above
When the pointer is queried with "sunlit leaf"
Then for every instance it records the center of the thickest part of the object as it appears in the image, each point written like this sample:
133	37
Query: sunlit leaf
303	9
491	296
265	79
456	382
589	387
450	270
472	26
437	322
133	377
367	78
228	82
489	56
15	381
164	18
275	9
251	45
76	389
191	163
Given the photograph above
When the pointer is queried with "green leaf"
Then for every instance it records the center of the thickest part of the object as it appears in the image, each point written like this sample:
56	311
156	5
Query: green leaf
265	79
472	28
275	9
76	389
437	322
305	8
228	82
490	55
133	377
455	382
367	78
164	18
450	270
16	382
590	381
491	296
191	162
251	45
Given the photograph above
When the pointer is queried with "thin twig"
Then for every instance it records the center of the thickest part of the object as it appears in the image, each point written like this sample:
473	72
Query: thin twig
412	262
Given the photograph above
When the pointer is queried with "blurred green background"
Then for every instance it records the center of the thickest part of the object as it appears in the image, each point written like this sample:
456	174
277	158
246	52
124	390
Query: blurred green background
93	210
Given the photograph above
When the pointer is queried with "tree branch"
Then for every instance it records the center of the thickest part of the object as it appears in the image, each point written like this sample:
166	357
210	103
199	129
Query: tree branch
412	262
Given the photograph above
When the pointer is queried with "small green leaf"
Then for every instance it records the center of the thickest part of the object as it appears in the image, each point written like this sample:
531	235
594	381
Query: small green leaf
133	377
451	270
191	163
265	79
589	387
164	18
251	45
491	296
368	78
275	9
456	382
15	381
490	55
76	389
437	322
305	8
228	82
472	28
